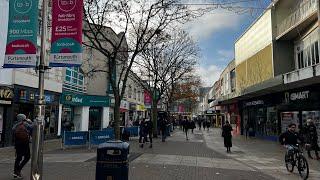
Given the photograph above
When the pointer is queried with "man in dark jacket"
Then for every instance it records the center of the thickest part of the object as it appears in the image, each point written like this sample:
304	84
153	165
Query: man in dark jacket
149	130
290	137
163	128
311	138
22	131
142	133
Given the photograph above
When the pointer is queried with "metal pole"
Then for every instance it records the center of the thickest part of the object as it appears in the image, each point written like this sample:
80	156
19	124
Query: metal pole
37	138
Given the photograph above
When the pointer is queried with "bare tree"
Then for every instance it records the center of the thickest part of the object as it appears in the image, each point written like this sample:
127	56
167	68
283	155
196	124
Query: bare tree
167	60
141	21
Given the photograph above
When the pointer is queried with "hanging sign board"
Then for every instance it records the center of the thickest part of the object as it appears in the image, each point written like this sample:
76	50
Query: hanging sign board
66	43
21	47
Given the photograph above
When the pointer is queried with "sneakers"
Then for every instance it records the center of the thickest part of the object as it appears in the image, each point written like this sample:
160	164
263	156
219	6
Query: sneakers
17	175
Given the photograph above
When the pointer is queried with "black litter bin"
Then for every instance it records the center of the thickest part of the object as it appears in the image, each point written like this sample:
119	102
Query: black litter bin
112	161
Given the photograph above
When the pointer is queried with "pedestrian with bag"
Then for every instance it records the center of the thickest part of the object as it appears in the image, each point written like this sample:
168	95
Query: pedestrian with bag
227	135
311	139
22	131
193	125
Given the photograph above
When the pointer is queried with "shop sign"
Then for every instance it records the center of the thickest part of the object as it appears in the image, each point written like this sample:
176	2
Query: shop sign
254	103
124	105
141	108
6	95
302	95
84	100
133	106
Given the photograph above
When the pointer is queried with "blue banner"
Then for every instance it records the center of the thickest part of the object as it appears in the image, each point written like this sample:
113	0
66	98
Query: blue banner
98	137
75	138
134	131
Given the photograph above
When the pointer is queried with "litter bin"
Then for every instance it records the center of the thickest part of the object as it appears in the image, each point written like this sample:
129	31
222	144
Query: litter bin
112	161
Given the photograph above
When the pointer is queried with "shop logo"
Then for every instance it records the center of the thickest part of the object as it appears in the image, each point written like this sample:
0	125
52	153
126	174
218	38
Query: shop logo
67	5
6	94
299	95
68	98
23	6
254	103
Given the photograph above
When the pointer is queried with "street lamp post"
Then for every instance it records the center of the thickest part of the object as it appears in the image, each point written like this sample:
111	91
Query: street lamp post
37	137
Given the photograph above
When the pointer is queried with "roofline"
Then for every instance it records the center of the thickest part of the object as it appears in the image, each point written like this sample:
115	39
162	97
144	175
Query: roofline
255	21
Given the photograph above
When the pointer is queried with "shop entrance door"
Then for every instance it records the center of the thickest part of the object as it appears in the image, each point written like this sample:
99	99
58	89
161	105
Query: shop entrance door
95	118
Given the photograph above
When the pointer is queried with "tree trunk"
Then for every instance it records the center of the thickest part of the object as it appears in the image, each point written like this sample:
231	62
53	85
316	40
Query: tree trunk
117	117
154	111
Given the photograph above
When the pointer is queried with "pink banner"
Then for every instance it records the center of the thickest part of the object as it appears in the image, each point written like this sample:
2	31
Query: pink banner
66	42
181	108
147	98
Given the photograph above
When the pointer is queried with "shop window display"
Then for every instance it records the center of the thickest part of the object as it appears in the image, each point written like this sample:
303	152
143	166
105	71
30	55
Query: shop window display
288	118
272	122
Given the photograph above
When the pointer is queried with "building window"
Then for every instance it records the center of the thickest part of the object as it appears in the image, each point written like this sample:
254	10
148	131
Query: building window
307	51
233	80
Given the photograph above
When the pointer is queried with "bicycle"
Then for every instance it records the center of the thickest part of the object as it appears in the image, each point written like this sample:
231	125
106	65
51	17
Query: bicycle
294	157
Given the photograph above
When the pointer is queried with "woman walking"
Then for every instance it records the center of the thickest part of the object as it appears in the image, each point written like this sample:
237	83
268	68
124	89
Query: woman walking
226	133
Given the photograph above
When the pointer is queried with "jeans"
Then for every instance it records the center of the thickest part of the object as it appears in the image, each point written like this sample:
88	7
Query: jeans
22	151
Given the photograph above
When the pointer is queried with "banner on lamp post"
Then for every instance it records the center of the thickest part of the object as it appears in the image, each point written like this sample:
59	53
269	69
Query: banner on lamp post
66	42
21	47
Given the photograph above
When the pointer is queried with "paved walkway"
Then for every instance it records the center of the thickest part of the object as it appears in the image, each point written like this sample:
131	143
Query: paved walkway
203	157
259	154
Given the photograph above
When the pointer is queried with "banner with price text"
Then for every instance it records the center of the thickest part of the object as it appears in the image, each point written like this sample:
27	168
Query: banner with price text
66	42
21	47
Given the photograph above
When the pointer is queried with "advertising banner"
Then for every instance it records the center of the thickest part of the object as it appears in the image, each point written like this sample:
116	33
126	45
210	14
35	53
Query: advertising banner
134	131
147	98
75	138
99	137
21	47
66	42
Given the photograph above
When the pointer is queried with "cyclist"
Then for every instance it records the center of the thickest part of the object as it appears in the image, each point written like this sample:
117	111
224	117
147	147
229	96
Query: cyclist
290	138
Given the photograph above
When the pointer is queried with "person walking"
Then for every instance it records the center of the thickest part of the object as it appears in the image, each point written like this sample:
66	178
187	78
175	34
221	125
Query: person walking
193	125
226	133
22	131
311	139
247	130
142	133
163	129
149	130
199	123
208	124
187	125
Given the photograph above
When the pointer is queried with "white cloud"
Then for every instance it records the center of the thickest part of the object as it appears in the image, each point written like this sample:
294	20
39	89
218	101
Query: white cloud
209	74
228	54
205	26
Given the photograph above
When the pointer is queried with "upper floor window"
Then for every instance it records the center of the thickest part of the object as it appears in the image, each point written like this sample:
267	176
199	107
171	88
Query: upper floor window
307	51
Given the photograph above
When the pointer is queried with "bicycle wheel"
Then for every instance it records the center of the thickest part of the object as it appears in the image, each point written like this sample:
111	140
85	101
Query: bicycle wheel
289	162
303	167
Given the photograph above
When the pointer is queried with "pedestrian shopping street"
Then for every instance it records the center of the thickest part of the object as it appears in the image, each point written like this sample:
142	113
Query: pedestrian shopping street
203	157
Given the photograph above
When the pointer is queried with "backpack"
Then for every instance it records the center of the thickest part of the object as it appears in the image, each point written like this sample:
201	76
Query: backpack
21	134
